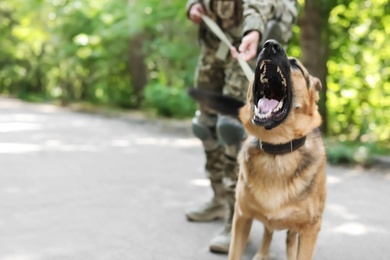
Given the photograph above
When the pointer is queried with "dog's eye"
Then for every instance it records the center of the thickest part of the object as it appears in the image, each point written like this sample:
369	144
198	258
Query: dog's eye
294	63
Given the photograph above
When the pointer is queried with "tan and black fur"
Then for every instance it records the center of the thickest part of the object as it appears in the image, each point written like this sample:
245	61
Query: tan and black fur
284	191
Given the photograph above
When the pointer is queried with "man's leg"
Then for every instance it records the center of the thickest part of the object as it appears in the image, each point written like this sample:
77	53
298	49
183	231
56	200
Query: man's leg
231	133
209	76
203	126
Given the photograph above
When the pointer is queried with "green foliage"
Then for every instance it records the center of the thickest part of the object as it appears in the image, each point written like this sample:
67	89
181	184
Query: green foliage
78	50
351	152
358	71
169	102
63	49
172	48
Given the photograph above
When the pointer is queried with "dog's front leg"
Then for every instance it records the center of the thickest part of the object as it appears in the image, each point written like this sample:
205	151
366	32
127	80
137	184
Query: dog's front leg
240	233
307	241
263	253
292	247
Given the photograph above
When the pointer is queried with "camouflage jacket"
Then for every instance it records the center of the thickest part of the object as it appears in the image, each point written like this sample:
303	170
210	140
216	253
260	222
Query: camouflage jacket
238	17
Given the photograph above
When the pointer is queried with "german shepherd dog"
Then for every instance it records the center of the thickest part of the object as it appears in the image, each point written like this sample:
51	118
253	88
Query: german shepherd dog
282	180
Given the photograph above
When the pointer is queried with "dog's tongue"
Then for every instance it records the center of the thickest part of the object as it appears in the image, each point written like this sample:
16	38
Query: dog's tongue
265	105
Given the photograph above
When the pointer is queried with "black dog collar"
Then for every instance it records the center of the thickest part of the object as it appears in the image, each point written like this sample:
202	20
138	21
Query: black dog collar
281	148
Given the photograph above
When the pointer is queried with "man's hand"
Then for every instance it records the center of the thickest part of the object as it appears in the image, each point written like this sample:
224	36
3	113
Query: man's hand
248	46
195	13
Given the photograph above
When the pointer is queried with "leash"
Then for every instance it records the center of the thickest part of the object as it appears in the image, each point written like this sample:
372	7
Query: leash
219	33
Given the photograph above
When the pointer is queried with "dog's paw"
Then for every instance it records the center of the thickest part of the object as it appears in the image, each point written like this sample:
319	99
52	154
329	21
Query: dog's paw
260	257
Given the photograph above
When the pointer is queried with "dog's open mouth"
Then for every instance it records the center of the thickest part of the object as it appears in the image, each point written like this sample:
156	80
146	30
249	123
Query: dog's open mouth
272	92
271	89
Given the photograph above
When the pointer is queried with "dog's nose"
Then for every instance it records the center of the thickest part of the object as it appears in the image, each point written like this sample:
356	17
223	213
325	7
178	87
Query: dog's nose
272	45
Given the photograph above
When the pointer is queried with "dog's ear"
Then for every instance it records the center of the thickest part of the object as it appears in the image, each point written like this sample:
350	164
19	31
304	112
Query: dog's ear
315	87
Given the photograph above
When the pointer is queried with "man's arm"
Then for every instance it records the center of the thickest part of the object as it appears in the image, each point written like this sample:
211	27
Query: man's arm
194	11
256	15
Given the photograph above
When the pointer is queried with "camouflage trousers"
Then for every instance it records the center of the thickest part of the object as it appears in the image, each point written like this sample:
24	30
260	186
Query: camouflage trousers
220	75
223	76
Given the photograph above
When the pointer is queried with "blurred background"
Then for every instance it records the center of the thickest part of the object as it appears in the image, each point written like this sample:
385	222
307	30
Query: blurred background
141	55
86	187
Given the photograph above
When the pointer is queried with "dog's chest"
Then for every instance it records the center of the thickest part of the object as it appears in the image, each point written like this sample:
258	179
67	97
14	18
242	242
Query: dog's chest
271	201
267	179
275	208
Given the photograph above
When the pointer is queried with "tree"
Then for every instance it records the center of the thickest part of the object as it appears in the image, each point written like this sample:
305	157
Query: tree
315	46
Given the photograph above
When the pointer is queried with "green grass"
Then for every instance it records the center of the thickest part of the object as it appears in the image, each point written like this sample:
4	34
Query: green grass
353	153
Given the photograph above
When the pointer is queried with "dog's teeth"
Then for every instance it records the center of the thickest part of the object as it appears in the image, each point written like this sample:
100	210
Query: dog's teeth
263	79
262	64
263	116
284	81
280	105
279	71
282	76
256	111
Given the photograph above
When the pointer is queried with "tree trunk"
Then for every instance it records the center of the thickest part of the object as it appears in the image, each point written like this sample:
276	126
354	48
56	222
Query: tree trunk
137	67
315	50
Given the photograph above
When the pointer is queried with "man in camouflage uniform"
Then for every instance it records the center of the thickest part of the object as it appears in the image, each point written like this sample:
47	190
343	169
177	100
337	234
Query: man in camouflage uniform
247	23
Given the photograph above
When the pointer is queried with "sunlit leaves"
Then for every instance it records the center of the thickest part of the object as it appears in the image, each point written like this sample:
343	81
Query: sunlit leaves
78	50
357	71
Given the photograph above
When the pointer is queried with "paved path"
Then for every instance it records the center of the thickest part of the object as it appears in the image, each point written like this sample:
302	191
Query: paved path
84	187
